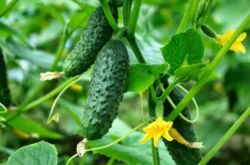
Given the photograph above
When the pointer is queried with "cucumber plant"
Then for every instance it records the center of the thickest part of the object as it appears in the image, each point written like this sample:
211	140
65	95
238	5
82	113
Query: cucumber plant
108	42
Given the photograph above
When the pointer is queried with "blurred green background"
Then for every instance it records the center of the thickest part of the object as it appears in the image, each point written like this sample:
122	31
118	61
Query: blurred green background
30	35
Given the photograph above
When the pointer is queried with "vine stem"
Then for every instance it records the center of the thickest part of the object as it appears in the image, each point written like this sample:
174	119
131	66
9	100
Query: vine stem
167	91
190	12
194	12
136	50
109	15
134	17
126	11
194	90
35	103
132	41
155	154
61	47
226	137
8	8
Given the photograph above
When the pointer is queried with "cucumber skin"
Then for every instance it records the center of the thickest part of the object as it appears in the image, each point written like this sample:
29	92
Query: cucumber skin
118	3
94	36
106	89
180	153
4	89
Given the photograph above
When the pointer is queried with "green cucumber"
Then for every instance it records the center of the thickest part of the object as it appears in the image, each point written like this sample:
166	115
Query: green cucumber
106	89
94	36
4	89
180	153
118	3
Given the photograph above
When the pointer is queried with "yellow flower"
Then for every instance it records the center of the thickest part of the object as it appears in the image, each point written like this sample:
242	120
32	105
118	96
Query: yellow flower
157	129
237	46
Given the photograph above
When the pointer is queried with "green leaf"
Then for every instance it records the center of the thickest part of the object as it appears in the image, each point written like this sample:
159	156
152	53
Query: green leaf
188	72
26	125
142	76
184	48
79	19
129	150
41	153
45	59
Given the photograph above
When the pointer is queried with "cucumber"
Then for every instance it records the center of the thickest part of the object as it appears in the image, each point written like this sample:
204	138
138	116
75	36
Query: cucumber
106	89
180	153
94	36
4	89
118	3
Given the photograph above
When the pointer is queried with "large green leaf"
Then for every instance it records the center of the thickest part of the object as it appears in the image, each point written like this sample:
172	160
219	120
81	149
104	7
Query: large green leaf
184	48
79	19
142	76
41	153
130	150
26	125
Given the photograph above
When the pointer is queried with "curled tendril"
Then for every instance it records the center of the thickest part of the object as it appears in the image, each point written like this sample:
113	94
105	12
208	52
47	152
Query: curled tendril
195	104
52	117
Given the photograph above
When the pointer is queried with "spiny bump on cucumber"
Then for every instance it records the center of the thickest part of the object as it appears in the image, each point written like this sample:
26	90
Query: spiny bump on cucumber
4	89
106	89
94	36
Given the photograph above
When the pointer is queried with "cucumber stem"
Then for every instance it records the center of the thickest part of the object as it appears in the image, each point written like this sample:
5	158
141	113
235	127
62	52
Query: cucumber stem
136	49
190	12
134	17
109	16
61	47
126	11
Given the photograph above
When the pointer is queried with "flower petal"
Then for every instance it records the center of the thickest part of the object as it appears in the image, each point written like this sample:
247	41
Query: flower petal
156	139
146	138
238	47
242	36
168	137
